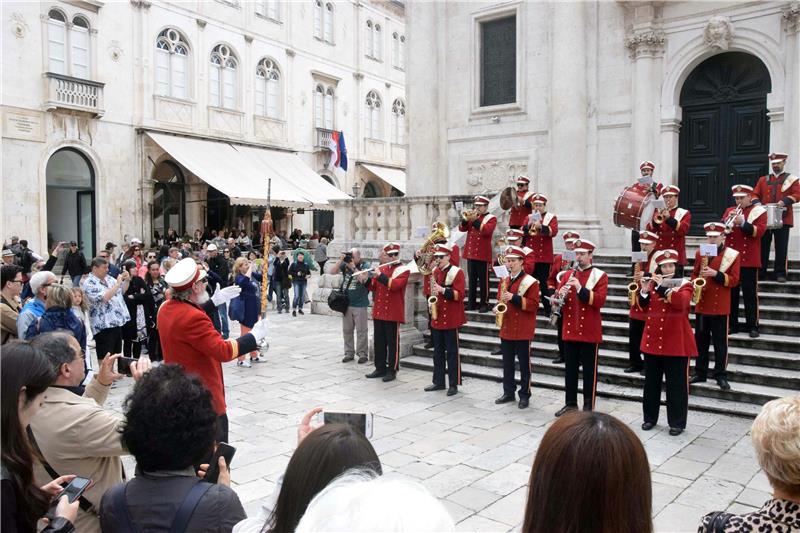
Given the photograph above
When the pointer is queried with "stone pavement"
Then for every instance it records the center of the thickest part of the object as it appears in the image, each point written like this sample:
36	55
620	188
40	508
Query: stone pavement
474	455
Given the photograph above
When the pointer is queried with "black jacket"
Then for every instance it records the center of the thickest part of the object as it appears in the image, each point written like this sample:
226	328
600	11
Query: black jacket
299	271
219	265
281	270
74	264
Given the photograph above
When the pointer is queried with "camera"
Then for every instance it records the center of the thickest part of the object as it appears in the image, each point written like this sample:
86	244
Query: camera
348	258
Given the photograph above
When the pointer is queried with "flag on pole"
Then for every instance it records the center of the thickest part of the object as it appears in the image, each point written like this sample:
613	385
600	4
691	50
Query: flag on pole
338	151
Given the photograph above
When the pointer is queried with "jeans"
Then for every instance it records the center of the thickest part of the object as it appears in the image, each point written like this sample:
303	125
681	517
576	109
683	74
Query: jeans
282	295
223	320
299	287
76	280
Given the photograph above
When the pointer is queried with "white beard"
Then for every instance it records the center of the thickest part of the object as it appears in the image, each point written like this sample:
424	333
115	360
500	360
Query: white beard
202	299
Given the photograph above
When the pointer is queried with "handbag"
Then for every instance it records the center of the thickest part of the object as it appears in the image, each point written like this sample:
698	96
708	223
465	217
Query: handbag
338	300
236	309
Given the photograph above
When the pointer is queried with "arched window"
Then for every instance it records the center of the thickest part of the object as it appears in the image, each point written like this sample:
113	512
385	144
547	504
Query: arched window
68	45
372	127
329	108
328	35
319	12
395	49
323	21
373	40
324	98
172	59
369	41
268	80
169	198
399	122
378	41
402	63
269	9
222	77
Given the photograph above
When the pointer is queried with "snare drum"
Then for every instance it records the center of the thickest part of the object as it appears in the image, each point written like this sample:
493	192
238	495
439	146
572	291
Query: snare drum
633	209
774	215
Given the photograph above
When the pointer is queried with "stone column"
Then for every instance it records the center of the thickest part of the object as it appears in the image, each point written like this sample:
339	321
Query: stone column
791	18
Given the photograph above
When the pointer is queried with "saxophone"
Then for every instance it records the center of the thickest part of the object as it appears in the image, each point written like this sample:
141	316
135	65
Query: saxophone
501	307
700	282
633	286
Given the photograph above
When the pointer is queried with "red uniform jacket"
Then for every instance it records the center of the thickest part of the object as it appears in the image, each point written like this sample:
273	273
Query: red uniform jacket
389	288
542	242
746	239
667	330
455	259
188	338
655	188
519	322
519	215
450	305
773	189
529	262
716	295
672	232
559	265
581	321
479	244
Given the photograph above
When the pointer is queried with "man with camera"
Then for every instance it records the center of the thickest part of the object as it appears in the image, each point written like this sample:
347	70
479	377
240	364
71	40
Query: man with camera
355	316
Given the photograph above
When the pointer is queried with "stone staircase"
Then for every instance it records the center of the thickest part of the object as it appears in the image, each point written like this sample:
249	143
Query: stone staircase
759	369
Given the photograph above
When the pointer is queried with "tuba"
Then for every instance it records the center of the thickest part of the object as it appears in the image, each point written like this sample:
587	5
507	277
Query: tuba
700	282
501	257
425	259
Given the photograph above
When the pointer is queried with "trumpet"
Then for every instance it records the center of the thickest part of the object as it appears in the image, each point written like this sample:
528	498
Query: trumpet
633	287
501	257
432	306
376	267
731	218
469	215
660	216
501	307
699	283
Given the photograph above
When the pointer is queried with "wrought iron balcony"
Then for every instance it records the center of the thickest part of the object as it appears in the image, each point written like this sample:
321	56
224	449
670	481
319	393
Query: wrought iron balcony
77	94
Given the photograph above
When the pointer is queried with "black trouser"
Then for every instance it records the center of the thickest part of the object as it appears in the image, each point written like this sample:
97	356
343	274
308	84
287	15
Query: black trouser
676	371
478	272
154	345
516	351
559	337
575	354
781	249
706	328
748	281
108	341
635	332
445	353
386	336
541	271
635	246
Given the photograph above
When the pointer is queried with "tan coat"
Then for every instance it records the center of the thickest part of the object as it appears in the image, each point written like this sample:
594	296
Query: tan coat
77	436
9	312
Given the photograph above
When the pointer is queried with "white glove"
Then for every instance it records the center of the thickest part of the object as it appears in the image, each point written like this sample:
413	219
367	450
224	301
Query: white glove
259	330
223	296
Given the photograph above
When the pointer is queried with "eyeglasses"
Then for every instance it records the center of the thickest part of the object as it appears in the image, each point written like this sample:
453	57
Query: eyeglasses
520	184
16	281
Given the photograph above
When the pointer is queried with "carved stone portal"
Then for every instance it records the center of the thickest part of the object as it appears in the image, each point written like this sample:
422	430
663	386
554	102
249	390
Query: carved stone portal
494	174
718	33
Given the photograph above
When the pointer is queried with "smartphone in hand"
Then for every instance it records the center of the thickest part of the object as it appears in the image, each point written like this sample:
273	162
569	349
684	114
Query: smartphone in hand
362	422
124	365
223	450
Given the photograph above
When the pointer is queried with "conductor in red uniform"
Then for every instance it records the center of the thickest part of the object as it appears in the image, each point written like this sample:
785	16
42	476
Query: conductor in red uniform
745	224
560	265
478	251
188	337
674	228
584	290
714	306
447	315
455	258
522	208
667	344
388	311
783	189
637	314
520	293
539	238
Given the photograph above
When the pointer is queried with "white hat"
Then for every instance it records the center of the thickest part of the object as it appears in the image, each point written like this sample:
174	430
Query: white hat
136	240
184	274
212	247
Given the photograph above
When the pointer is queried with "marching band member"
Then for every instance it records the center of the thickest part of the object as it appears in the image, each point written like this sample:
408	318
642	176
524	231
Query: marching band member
388	310
584	291
447	285
778	188
522	208
514	237
667	344
539	237
478	251
455	258
712	310
520	294
560	265
674	226
745	224
646	183
637	314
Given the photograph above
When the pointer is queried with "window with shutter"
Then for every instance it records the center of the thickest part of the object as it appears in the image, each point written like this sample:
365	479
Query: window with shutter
399	122
272	9
402	63
178	75
329	22
222	77
57	43
318	8
213	84
498	61
329	109
372	125
79	55
319	115
378	44
172	63
162	71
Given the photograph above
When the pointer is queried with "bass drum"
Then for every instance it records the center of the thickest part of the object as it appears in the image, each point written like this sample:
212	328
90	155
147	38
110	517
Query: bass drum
633	208
508	197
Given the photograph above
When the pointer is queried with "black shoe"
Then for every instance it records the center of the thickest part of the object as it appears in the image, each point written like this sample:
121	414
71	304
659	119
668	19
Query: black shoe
428	345
294	313
280	311
558	360
734	329
647	426
780	278
566	409
390	376
498	351
347	358
484	309
431	388
300	311
674	432
362	359
754	333
376	374
505	398
523	403
452	391
723	383
469	307
697	379
641	372
632	369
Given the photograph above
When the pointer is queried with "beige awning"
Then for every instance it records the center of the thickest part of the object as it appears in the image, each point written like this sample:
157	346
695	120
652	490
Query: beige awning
393	176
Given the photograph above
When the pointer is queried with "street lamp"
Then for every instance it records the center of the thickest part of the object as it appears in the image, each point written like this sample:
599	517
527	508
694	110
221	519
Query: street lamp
355	189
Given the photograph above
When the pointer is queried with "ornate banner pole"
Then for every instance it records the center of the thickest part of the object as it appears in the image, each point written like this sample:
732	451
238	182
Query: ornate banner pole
266	235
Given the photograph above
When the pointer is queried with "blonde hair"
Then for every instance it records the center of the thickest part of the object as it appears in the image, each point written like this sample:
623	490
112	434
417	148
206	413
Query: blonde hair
59	296
84	303
237	265
776	439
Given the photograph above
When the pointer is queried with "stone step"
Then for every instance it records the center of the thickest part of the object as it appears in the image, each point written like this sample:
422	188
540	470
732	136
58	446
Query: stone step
764	287
617	259
625	268
741	348
608	390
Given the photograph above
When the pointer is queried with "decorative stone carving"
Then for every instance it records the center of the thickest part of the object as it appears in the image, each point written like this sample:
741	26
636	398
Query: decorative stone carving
115	51
18	25
494	174
645	43
791	17
718	33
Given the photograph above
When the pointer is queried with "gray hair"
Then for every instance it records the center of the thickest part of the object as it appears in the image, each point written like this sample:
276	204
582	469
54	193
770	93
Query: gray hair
55	345
183	296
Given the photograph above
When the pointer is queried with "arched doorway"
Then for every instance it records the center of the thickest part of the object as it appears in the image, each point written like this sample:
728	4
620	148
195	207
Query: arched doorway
169	200
323	220
70	200
371	190
724	138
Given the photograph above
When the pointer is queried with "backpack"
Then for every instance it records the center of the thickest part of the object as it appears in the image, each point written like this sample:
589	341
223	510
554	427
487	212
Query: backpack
338	300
